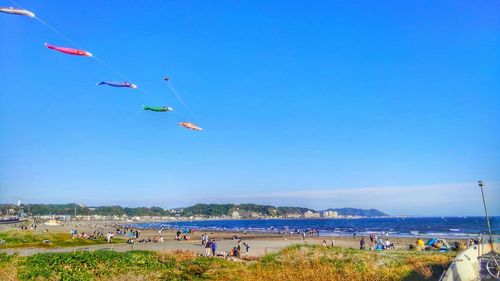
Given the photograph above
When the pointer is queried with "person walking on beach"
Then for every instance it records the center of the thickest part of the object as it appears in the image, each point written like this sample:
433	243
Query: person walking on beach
109	236
214	247
208	248
246	246
362	243
204	239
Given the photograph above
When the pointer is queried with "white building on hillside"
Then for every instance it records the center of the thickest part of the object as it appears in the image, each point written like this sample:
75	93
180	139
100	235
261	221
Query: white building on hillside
330	214
311	214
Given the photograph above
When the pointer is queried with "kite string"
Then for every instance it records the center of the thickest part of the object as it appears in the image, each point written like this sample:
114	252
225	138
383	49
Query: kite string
174	91
149	94
57	32
69	40
110	67
50	27
72	41
62	35
190	113
79	47
180	116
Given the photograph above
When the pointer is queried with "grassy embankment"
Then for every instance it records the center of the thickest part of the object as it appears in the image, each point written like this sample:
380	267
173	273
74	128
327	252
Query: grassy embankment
30	239
298	262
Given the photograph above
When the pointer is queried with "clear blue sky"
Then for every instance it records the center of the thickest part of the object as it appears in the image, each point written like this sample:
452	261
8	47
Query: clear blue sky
307	103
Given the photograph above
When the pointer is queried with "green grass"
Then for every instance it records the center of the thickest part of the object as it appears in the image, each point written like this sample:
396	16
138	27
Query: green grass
292	263
30	239
109	265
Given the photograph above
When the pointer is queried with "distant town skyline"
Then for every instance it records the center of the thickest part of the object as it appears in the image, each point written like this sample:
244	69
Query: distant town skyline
314	104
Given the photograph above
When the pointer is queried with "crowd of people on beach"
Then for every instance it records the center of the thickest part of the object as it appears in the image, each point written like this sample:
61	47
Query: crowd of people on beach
210	246
75	234
26	227
376	243
185	234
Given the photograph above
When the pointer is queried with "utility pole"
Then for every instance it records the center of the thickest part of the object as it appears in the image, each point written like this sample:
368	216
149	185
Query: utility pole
480	183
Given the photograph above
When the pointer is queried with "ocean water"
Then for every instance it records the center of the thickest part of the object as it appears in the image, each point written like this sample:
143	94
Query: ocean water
446	227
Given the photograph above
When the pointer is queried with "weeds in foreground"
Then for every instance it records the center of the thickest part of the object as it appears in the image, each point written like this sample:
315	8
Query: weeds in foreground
293	263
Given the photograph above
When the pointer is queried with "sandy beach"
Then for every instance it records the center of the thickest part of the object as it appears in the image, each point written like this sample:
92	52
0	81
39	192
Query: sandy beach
260	242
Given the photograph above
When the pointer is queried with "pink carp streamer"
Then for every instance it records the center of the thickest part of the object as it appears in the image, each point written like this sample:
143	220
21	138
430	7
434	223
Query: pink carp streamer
69	51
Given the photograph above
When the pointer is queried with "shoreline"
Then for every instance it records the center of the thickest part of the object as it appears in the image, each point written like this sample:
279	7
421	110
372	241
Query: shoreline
260	242
326	233
157	225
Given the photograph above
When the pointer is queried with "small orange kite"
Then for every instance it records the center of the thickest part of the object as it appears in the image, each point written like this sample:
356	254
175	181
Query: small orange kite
190	126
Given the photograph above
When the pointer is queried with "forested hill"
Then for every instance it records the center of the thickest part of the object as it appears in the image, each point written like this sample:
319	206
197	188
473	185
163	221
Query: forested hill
228	209
267	210
71	209
359	212
204	210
